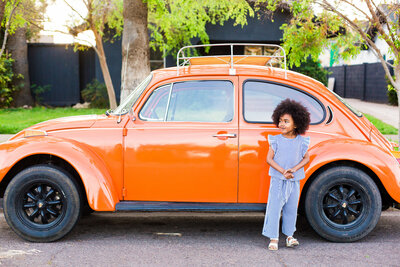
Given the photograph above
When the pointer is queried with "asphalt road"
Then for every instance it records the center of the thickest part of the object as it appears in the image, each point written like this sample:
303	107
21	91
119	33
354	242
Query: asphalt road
196	239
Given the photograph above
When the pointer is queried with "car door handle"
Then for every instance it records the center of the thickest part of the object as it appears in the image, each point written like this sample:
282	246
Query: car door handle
225	135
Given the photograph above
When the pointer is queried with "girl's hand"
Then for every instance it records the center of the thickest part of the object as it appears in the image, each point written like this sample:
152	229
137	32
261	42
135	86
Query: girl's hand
288	174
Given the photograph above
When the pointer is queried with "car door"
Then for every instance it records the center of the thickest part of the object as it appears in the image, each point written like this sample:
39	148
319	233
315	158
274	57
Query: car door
259	99
183	145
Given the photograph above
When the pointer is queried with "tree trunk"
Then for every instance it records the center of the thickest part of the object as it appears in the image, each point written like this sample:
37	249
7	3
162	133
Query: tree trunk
19	52
396	86
104	70
135	46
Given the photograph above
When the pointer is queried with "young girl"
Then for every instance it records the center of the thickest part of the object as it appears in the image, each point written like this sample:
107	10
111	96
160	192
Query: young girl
287	156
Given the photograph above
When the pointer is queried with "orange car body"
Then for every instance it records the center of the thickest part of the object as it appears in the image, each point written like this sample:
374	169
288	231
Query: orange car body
124	158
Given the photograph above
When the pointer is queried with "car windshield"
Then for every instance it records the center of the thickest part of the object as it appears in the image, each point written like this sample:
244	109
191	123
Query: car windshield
355	111
127	104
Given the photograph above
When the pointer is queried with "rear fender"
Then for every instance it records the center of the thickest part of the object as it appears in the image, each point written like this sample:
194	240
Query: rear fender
100	190
377	159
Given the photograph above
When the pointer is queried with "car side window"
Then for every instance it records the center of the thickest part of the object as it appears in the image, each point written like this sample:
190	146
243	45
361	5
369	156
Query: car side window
156	105
261	98
202	101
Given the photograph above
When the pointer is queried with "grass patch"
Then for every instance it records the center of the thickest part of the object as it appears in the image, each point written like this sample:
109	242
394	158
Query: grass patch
17	119
384	128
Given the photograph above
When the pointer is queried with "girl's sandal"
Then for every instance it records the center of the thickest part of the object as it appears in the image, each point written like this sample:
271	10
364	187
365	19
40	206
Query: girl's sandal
273	244
291	242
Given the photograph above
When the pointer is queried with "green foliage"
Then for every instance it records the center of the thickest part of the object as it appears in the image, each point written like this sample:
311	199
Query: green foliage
313	69
392	94
103	16
174	23
392	97
6	87
38	92
17	20
319	25
17	119
96	93
108	12
307	35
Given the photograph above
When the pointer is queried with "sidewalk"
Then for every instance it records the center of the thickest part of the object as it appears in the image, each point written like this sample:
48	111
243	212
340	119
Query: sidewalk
4	137
386	113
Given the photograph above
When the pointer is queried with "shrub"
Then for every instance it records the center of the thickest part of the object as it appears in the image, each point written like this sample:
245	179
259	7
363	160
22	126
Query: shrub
6	87
96	93
38	92
313	69
391	93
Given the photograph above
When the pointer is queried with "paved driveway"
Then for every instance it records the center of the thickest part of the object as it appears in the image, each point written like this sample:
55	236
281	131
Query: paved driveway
4	137
196	239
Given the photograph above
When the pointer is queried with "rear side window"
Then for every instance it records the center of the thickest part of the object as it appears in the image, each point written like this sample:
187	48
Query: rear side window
192	101
261	98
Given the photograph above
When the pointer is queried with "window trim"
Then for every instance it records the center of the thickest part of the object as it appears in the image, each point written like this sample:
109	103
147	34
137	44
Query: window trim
169	98
166	109
284	85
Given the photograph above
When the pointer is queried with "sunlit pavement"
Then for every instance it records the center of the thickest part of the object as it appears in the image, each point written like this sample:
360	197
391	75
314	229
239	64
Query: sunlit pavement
196	239
386	113
4	137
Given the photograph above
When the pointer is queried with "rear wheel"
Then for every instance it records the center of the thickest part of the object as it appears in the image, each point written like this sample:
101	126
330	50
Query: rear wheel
42	203
343	204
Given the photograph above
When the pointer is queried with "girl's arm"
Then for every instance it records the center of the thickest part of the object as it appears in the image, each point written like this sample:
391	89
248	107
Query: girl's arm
301	164
271	162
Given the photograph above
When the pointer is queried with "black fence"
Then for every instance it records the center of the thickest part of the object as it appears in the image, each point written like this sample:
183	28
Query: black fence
366	82
66	73
63	73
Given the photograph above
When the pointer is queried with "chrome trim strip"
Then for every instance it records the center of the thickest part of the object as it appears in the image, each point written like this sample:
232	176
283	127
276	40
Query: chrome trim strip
169	99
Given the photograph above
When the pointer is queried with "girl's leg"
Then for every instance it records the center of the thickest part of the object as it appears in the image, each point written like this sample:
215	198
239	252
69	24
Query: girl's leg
273	212
289	210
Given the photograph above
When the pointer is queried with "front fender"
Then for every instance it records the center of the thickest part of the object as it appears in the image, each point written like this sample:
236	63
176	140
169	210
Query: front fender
377	159
96	178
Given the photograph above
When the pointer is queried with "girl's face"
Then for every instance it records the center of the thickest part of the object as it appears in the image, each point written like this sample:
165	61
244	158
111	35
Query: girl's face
286	125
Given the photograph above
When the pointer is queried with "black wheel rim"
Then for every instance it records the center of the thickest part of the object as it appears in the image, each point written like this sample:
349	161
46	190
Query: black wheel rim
344	204
42	204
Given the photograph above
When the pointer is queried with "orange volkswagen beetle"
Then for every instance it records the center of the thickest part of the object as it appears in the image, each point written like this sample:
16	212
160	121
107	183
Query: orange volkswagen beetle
194	138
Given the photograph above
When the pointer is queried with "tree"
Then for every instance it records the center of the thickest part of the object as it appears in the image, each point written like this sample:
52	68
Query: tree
101	15
20	20
135	46
8	17
29	16
344	25
172	24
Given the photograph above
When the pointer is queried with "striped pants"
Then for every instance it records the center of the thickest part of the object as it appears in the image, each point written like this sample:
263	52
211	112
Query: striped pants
283	197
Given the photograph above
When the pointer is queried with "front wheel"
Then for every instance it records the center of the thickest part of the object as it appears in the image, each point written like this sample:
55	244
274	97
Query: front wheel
42	203
343	204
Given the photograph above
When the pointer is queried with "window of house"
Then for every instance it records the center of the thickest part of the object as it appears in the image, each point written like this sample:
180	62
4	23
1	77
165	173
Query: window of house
261	98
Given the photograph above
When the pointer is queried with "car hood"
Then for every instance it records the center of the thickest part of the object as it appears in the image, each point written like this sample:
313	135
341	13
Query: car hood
73	122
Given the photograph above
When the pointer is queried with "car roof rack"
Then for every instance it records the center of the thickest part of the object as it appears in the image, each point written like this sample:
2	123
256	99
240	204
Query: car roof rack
273	55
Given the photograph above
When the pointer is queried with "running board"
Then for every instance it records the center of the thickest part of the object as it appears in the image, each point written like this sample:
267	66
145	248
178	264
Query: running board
187	206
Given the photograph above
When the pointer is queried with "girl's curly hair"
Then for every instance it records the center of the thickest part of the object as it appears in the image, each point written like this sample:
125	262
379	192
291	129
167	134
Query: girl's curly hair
299	113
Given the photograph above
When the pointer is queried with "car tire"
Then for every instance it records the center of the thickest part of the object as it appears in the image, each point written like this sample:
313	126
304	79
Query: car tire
42	203
343	204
